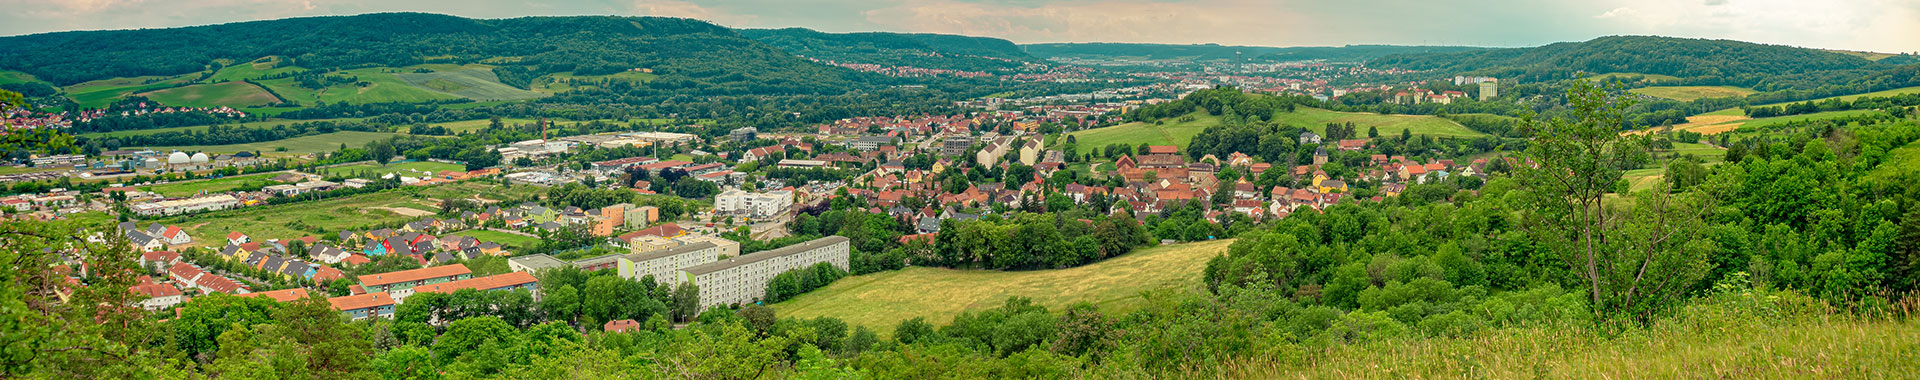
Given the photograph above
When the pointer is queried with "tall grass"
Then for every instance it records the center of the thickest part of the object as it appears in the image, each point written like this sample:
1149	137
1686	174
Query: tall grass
1744	336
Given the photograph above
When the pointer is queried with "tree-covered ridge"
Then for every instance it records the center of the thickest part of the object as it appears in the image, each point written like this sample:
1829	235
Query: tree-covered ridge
919	50
1212	52
685	53
1695	61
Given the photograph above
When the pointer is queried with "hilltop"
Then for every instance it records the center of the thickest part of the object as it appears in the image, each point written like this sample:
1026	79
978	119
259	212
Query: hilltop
940	51
1215	52
1701	61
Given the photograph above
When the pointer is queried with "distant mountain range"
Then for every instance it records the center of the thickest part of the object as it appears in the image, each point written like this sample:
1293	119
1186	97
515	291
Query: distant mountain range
1702	61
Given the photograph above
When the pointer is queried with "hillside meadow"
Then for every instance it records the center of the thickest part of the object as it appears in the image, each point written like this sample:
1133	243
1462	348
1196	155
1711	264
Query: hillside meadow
881	300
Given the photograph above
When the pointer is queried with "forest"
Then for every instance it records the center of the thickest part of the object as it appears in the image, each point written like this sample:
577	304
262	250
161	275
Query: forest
1694	61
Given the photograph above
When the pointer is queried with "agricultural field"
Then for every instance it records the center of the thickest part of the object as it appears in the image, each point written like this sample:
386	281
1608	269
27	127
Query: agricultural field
381	87
294	146
510	240
102	92
1875	94
1644	179
881	300
562	82
406	169
217	185
269	65
330	215
1317	119
1173	132
471	83
229	94
475	125
1689	93
1707	153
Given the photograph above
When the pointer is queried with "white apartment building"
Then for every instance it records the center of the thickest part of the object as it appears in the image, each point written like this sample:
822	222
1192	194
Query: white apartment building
181	206
738	202
743	280
662	263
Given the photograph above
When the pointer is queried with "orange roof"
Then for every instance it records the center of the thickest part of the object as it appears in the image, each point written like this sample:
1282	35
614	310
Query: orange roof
414	275
156	290
621	325
284	295
482	283
362	301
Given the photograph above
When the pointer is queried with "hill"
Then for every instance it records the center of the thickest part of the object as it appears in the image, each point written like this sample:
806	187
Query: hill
882	300
1214	52
896	49
1698	61
692	56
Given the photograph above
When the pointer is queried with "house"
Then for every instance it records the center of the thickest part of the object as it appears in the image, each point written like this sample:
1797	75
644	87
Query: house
1163	149
621	325
1309	138
400	284
237	238
502	282
173	235
284	295
159	297
159	259
184	274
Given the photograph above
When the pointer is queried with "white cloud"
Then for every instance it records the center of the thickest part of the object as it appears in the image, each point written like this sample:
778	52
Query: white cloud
1616	12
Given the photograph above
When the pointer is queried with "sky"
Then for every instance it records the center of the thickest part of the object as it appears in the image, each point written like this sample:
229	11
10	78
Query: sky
1868	25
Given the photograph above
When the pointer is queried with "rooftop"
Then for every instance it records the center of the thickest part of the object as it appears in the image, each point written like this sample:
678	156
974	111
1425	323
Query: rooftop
414	275
361	301
764	255
659	253
482	283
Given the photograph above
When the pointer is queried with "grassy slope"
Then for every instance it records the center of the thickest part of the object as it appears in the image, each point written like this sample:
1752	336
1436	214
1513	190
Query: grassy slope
472	83
1900	161
230	94
1625	76
1688	93
382	87
561	82
299	145
99	93
12	77
250	70
1823	348
881	300
1317	120
1173	132
1897	91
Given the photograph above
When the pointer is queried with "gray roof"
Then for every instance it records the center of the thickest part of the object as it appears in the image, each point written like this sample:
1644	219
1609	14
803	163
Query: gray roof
659	253
597	260
764	255
538	261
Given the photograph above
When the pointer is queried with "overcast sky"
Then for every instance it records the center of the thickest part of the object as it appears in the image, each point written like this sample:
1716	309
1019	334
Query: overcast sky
1876	25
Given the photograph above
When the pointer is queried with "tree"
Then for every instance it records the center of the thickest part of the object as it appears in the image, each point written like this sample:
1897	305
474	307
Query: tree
561	303
686	302
1631	261
382	151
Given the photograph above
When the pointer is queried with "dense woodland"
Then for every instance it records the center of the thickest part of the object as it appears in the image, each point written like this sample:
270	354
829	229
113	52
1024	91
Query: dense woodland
1694	61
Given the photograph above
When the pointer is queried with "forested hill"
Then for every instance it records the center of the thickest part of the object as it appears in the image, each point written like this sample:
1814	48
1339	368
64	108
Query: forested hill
687	54
1699	61
1212	52
901	49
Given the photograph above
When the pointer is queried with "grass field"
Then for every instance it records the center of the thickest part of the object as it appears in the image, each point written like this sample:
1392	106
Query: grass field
475	125
353	212
299	145
1688	93
1707	153
1643	179
230	94
1897	91
102	92
250	124
881	300
218	185
561	82
406	169
1173	132
382	87
470	83
12	77
1650	78
1317	119
502	238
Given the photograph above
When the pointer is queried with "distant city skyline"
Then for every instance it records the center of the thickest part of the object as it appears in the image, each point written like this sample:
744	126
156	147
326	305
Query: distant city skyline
1890	26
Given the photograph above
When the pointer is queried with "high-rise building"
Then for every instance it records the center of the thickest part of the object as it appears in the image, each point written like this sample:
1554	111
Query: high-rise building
1489	89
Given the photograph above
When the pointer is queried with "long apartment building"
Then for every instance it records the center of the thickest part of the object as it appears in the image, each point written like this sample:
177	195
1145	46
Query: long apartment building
743	280
400	284
662	263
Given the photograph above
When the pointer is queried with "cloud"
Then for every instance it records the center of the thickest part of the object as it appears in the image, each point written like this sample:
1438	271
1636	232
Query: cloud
1616	12
683	9
1138	21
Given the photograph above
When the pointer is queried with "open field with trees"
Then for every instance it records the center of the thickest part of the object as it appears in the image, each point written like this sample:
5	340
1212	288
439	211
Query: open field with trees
477	83
99	93
882	300
1177	131
269	123
330	215
1685	93
216	185
299	145
510	240
408	169
1317	120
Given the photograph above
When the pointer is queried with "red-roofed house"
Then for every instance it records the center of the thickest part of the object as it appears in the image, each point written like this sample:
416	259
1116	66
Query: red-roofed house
363	306
284	295
400	284
159	297
237	238
621	325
